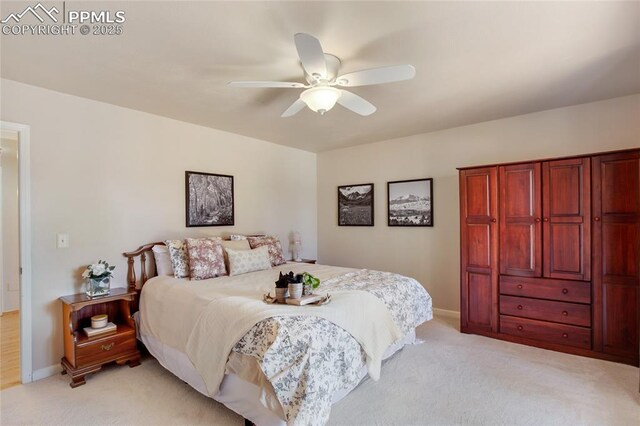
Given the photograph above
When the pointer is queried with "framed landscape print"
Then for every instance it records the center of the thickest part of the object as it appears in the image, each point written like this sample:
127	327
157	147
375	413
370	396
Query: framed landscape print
355	205
410	202
209	199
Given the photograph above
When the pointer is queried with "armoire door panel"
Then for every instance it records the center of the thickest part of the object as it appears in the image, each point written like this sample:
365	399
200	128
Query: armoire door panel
477	196
620	259
479	311
620	186
564	186
479	245
620	322
520	228
565	260
566	201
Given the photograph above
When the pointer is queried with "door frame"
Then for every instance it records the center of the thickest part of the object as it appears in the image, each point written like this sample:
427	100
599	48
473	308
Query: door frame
24	190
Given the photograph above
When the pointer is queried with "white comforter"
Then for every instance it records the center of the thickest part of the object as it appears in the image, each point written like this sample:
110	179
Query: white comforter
206	319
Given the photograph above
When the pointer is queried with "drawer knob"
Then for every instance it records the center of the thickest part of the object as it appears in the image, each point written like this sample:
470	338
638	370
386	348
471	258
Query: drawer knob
519	307
520	328
565	291
107	347
546	219
597	219
519	286
565	313
493	220
537	219
565	335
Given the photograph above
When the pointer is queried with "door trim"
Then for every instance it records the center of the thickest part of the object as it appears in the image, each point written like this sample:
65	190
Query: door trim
24	188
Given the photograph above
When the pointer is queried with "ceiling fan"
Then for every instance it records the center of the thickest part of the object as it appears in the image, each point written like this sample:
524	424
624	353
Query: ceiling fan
321	73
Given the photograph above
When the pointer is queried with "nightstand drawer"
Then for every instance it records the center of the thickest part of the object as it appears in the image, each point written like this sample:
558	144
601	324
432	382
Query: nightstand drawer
97	351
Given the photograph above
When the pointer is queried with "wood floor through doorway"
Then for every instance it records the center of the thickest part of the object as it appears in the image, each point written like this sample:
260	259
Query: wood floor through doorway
10	349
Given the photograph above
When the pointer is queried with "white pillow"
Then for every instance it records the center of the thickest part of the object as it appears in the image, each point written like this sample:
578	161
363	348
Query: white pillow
163	261
243	261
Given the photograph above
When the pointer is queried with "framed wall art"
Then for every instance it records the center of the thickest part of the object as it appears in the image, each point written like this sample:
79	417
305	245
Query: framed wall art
355	205
209	199
410	202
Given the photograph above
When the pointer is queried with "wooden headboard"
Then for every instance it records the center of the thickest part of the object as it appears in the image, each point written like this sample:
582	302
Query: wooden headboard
141	252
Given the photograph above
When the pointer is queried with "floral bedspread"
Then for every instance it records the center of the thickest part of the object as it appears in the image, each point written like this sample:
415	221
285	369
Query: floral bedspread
309	359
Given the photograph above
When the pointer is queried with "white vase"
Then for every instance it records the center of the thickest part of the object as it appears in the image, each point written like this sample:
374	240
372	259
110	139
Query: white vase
295	290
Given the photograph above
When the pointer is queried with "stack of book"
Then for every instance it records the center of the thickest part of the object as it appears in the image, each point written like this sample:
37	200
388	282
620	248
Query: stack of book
305	300
93	333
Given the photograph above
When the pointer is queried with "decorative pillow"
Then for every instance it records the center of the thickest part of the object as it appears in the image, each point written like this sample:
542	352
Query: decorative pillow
179	257
275	249
234	245
206	258
163	261
237	237
243	261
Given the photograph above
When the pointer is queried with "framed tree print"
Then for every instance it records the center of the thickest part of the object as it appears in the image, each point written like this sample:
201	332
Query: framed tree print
355	205
209	199
410	202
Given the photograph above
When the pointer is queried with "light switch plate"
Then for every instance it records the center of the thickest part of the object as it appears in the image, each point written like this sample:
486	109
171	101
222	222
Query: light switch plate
63	240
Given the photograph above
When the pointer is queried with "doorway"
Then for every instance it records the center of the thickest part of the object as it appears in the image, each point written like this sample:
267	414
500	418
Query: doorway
9	261
15	256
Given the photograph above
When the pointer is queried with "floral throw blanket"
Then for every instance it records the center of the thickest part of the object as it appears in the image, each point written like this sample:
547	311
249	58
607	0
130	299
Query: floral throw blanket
309	359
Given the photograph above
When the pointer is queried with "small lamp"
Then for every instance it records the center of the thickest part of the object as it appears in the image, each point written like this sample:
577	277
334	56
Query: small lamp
297	247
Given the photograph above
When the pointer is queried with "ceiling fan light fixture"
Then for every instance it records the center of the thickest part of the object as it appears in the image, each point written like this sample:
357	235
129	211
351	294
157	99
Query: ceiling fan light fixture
320	99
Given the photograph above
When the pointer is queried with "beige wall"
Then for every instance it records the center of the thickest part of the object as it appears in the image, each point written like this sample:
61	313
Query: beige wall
113	179
9	238
431	255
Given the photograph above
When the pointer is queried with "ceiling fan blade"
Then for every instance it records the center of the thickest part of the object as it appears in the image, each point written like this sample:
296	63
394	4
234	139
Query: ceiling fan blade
377	76
356	104
294	108
279	84
311	54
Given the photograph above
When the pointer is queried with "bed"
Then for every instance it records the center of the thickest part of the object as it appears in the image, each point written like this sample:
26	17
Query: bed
275	364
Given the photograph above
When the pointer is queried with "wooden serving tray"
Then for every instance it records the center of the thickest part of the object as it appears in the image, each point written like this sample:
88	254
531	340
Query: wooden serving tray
268	298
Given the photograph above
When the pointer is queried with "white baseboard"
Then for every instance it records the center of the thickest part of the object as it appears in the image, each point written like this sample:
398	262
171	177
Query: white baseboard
446	313
49	371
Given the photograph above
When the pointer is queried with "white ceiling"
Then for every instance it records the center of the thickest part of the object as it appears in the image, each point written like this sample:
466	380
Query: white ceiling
475	61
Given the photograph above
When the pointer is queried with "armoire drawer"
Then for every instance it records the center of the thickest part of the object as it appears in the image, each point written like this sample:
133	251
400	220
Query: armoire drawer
546	288
579	337
547	310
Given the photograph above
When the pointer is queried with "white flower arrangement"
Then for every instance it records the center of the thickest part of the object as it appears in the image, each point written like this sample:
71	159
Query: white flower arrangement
98	271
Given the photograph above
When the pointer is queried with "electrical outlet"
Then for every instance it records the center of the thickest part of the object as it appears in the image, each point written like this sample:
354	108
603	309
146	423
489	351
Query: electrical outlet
63	240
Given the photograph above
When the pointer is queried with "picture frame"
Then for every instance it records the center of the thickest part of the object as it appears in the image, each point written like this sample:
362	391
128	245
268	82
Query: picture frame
209	199
410	202
356	205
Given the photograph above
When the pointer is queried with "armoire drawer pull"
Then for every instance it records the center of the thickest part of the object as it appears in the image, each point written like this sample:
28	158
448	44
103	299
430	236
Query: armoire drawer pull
546	219
597	219
519	286
565	313
520	328
493	220
519	307
565	291
565	335
537	220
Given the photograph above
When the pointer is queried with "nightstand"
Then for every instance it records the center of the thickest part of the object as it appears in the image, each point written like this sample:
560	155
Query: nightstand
312	261
84	355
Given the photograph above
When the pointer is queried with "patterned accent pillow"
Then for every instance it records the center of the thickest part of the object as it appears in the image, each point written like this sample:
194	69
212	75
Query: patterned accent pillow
179	257
206	258
275	249
243	261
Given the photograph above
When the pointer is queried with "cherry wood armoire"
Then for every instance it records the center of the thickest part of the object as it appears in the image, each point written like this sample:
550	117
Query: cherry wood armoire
550	253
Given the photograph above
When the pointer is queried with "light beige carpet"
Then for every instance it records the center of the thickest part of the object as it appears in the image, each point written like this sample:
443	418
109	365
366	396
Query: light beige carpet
450	379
